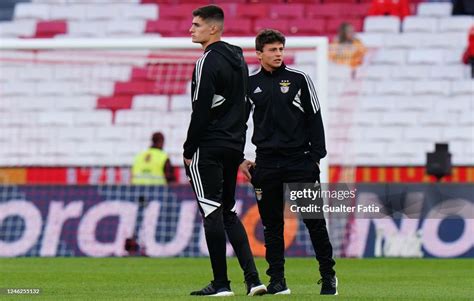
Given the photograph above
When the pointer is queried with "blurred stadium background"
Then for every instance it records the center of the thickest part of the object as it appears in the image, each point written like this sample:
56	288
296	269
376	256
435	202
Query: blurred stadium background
71	122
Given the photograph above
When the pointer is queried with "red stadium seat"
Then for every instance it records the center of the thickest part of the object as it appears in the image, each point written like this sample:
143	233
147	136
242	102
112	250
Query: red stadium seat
183	28
293	11
139	73
303	1
156	1
307	27
131	88
230	9
48	29
115	103
333	24
222	2
182	11
164	27
241	27
469	53
281	25
340	1
356	10
160	1
324	10
148	87
163	73
265	1
194	2
399	8
257	11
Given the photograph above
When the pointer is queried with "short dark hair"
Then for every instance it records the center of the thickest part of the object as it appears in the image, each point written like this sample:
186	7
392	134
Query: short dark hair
268	36
209	12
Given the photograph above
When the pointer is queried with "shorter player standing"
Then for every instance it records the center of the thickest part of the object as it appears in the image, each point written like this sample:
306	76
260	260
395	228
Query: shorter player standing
289	135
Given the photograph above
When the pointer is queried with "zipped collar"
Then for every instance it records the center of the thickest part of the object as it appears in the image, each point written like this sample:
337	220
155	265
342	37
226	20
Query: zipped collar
276	72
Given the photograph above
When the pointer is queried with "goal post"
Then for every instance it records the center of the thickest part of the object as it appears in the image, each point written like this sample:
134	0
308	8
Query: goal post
314	48
149	75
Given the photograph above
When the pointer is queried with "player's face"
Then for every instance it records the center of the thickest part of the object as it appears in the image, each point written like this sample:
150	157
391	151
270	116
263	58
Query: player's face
200	31
271	57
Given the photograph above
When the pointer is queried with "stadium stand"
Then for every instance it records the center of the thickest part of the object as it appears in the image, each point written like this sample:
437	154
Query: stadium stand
411	91
399	8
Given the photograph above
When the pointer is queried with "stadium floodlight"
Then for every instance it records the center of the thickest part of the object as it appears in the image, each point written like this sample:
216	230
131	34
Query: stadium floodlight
309	54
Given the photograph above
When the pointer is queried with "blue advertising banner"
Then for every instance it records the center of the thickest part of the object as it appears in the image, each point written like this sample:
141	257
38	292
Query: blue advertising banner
100	221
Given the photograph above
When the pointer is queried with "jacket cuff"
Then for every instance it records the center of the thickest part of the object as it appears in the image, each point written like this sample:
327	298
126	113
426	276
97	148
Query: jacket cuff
188	153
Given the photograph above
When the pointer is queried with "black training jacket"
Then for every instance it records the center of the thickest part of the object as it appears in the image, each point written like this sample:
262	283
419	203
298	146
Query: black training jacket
286	114
218	100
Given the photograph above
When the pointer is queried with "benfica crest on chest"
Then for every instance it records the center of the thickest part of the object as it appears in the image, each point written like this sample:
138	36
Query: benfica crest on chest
284	86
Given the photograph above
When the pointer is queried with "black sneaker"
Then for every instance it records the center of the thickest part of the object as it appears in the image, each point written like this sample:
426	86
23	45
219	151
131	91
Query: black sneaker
329	285
255	288
278	287
211	290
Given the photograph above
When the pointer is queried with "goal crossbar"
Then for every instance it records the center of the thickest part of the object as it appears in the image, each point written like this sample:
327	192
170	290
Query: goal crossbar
320	45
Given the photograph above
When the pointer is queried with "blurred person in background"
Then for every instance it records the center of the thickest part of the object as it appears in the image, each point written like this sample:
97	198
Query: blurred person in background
463	7
152	166
468	55
346	49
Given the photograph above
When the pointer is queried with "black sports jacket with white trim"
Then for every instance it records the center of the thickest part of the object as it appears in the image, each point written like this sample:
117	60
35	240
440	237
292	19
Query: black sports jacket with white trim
218	93
286	114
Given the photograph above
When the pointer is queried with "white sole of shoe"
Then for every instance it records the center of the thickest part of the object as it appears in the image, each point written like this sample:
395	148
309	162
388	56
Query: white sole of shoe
258	290
223	294
285	292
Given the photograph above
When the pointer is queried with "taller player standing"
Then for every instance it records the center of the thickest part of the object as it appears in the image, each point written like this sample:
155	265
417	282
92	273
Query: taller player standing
214	146
289	135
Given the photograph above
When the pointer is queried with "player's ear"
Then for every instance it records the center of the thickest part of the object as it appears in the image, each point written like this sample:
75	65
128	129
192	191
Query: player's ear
259	54
216	27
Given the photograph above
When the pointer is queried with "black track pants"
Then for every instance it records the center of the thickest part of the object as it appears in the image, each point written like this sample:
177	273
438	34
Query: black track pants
268	184
213	175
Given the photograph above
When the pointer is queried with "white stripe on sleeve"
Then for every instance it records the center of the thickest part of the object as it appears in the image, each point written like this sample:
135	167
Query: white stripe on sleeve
198	73
311	89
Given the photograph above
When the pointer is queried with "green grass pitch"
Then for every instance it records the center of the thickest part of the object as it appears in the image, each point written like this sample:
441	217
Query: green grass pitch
174	278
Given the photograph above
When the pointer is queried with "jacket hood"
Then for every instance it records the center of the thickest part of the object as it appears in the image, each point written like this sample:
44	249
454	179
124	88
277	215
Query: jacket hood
231	53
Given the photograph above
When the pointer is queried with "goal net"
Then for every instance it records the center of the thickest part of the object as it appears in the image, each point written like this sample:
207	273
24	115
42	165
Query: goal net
76	111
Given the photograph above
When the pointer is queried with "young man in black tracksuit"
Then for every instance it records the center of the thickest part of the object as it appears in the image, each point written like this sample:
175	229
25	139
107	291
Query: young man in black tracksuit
289	135
214	145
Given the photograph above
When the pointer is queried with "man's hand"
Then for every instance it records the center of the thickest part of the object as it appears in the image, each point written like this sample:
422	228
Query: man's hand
187	161
244	168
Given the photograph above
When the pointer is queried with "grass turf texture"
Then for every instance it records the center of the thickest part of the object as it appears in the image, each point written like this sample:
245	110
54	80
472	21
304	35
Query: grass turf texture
174	278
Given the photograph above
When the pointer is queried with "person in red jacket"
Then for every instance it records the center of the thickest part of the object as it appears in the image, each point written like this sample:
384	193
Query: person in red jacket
468	55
